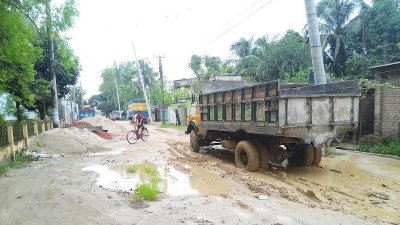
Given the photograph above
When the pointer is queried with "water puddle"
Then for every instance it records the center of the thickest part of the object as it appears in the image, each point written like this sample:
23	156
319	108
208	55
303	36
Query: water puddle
168	180
177	183
115	151
114	180
207	182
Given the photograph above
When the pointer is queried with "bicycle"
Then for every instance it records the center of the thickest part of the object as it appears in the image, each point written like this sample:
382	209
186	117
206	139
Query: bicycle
133	135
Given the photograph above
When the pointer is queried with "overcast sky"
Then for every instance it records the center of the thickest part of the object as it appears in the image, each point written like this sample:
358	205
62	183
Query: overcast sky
177	29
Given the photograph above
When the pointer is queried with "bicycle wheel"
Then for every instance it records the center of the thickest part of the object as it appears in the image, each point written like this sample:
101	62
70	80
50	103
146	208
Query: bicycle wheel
131	137
145	134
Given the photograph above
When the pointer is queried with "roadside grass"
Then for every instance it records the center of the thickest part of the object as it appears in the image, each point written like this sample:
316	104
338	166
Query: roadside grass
386	147
132	169
170	125
21	160
147	191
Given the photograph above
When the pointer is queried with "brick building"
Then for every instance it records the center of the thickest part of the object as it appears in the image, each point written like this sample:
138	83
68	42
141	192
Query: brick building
387	101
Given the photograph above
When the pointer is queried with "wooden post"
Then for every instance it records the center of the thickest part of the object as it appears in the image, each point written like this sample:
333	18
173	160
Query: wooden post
10	135
51	125
25	134
35	128
43	127
48	125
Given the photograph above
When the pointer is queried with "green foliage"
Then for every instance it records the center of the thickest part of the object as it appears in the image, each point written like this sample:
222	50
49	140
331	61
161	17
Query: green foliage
378	145
17	55
265	60
129	87
132	169
146	192
21	160
24	55
181	94
382	29
334	18
297	78
76	94
196	65
205	67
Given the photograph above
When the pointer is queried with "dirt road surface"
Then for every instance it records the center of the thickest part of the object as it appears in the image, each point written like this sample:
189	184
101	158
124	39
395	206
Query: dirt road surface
93	187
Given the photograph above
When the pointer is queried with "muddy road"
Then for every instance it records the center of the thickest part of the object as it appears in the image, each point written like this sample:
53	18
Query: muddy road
94	187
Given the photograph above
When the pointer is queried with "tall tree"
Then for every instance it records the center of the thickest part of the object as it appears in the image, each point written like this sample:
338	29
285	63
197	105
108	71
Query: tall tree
195	64
334	16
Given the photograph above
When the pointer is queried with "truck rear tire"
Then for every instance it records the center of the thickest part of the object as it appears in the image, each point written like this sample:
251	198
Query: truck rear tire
308	155
264	155
318	156
194	141
246	156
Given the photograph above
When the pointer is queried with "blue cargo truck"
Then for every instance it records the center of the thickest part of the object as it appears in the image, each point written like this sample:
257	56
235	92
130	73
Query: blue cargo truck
87	111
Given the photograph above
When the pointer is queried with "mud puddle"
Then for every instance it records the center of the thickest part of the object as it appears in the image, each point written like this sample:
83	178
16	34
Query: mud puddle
170	181
374	194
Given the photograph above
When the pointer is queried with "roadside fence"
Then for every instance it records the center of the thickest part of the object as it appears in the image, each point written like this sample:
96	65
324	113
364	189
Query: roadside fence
15	136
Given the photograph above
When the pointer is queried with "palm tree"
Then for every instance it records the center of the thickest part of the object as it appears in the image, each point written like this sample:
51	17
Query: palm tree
243	47
334	16
250	55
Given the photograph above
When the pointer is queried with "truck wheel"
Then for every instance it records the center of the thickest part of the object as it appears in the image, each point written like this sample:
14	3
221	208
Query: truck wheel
264	155
318	156
246	156
308	155
194	141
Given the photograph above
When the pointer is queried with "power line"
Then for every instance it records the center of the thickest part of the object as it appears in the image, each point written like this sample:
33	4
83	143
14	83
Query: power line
240	21
241	13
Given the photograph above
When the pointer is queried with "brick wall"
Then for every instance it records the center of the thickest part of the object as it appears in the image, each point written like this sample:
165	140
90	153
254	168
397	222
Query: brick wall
387	106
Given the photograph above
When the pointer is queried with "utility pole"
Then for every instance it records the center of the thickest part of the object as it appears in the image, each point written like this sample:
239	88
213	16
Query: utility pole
142	84
160	70
315	42
56	119
81	91
116	87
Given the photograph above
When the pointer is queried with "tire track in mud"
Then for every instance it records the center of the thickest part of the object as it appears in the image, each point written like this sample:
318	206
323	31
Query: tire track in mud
279	184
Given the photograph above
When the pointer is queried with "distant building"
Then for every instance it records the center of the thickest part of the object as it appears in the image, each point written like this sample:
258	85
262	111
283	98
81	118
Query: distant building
227	77
187	82
183	83
387	101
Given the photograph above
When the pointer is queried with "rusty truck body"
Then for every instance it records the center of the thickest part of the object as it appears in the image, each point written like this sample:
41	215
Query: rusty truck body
274	122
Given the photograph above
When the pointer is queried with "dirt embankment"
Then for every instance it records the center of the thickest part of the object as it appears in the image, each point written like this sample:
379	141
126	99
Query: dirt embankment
82	136
66	141
112	127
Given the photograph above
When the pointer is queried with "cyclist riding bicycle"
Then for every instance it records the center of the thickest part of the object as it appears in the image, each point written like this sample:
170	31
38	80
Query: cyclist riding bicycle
138	120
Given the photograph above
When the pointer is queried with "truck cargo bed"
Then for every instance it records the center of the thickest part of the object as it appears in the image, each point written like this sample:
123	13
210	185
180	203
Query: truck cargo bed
314	113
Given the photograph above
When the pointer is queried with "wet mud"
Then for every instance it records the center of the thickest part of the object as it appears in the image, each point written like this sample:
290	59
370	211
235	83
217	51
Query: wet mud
355	184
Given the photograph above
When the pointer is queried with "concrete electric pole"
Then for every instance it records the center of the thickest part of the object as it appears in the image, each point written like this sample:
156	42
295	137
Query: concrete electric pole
315	42
56	119
142	84
116	86
160	70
